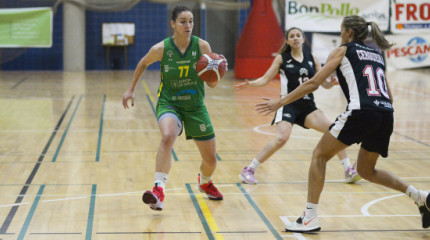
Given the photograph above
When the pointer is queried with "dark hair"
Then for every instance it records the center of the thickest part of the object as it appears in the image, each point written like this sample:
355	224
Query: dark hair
359	26
177	10
286	47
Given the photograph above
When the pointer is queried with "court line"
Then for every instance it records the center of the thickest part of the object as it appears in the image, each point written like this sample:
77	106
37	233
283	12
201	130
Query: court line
209	218
30	178
412	139
99	141
361	216
155	114
376	230
146	232
90	221
54	158
218	157
31	213
54	233
259	212
199	212
18	83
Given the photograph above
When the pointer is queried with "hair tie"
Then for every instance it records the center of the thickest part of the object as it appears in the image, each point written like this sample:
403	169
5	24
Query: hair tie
368	23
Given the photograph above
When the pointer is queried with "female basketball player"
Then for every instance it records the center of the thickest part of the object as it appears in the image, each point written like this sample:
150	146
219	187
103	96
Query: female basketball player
368	118
180	102
295	66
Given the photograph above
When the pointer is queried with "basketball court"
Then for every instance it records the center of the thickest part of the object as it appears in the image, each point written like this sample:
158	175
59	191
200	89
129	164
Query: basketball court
74	164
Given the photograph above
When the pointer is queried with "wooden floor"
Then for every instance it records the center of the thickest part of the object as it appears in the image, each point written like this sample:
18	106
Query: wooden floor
74	164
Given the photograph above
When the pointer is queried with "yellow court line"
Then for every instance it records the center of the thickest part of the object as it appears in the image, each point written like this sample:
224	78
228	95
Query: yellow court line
209	218
147	90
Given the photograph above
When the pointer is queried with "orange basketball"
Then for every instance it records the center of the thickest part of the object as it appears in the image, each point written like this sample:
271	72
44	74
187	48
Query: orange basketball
211	67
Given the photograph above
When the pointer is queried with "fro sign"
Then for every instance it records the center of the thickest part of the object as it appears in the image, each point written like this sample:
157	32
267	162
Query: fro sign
410	16
327	15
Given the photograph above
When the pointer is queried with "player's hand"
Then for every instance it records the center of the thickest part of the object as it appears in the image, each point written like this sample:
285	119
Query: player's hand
334	80
242	85
226	62
267	107
128	95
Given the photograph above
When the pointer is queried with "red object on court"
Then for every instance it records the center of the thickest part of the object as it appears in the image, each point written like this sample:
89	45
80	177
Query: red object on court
260	40
211	67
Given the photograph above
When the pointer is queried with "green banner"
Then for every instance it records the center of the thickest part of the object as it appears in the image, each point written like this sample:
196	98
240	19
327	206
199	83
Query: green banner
25	27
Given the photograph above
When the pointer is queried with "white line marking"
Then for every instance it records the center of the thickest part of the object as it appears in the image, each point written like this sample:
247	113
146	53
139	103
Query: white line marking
361	216
287	222
63	199
365	209
12	205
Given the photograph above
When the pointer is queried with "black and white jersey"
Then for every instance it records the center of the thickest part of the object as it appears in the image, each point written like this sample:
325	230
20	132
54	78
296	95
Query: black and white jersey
294	73
361	76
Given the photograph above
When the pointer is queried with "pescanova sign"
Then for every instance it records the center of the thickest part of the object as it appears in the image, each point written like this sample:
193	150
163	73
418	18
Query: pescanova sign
409	52
327	15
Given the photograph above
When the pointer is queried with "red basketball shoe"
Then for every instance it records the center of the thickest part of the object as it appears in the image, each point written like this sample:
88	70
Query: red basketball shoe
154	198
210	190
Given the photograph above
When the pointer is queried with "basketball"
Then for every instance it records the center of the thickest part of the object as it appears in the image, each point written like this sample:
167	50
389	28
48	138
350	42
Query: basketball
211	67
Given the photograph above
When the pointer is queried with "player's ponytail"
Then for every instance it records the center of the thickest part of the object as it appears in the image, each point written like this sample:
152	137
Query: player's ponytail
378	37
359	26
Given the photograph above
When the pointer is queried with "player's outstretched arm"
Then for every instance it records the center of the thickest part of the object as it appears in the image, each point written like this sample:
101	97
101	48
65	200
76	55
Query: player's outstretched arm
333	61
265	79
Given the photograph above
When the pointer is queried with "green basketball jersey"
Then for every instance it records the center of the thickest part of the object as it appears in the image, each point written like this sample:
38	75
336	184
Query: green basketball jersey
180	85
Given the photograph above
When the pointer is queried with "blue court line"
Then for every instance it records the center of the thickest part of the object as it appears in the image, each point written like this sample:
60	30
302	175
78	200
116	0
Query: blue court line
200	213
153	110
89	233
18	83
218	157
65	132
260	213
31	213
99	143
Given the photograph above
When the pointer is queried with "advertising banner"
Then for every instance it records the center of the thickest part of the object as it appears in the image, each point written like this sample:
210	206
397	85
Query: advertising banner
410	16
25	27
323	45
327	15
410	51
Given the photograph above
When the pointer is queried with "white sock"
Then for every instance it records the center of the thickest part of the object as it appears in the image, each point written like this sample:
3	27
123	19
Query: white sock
311	210
345	163
160	179
413	193
204	179
254	164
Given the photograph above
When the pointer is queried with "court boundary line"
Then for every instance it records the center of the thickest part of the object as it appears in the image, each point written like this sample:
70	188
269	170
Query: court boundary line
199	211
18	83
89	232
60	144
99	141
31	213
259	212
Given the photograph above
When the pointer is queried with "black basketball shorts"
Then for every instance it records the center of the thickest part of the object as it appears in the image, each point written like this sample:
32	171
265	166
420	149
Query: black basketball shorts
372	129
295	113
